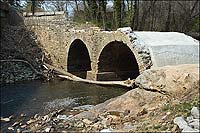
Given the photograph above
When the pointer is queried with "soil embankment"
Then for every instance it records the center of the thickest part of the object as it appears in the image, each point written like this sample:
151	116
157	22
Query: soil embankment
18	43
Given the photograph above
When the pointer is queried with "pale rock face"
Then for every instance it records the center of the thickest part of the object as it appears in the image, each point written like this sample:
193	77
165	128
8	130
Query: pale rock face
195	124
181	122
195	112
176	80
170	79
192	124
106	131
189	119
189	129
62	117
48	129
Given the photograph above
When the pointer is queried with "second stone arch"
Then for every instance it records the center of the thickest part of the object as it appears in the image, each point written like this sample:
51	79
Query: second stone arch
117	62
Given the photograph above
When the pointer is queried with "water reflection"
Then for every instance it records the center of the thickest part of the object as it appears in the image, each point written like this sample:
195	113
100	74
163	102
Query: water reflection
39	97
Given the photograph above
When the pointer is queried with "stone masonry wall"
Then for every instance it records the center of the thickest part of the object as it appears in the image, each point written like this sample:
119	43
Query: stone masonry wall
55	38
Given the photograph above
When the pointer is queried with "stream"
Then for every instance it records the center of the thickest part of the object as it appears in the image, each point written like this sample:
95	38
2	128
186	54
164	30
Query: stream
41	97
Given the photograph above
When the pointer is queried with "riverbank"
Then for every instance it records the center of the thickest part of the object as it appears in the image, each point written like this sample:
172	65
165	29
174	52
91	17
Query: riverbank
153	120
161	95
12	72
19	43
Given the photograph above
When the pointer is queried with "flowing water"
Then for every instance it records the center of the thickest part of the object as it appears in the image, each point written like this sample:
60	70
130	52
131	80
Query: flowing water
41	97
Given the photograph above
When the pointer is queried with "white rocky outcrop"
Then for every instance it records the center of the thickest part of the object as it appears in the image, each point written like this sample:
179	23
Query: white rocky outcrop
192	122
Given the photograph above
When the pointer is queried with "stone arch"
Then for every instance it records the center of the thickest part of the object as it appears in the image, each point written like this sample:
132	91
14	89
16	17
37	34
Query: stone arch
117	61
78	58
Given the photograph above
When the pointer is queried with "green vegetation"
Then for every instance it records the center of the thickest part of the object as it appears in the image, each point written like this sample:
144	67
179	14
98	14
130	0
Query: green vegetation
154	122
182	109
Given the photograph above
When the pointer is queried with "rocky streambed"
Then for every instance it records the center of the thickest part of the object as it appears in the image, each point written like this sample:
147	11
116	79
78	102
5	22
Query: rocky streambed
162	95
66	121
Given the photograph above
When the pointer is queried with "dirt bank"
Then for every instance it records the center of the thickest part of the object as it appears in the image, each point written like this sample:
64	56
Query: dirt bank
18	43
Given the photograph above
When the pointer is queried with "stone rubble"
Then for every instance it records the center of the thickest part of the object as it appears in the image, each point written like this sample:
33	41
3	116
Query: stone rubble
106	130
16	123
195	112
10	128
191	124
5	119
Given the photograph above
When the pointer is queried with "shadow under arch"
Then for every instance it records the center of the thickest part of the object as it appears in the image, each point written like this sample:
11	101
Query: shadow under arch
78	61
117	62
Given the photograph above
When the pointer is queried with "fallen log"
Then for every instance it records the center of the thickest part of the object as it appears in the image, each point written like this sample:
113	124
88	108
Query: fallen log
66	75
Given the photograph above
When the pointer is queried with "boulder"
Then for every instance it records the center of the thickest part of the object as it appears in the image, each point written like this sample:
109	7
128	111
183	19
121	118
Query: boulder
170	79
195	112
195	124
182	124
155	87
129	101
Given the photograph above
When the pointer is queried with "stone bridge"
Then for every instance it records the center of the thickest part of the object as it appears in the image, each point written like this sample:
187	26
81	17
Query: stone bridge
109	55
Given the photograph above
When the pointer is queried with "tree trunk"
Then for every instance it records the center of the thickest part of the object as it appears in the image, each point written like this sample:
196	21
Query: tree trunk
103	13
92	9
76	3
117	13
152	16
167	28
135	17
33	7
144	16
86	12
69	76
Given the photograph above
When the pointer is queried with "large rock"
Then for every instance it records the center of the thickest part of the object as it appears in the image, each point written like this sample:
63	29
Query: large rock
181	123
133	101
170	79
195	124
177	80
195	112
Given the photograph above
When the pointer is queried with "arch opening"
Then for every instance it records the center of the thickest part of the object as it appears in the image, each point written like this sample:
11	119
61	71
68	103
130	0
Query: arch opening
117	62
78	62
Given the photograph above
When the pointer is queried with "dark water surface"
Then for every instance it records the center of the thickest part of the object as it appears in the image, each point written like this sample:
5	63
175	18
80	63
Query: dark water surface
41	97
